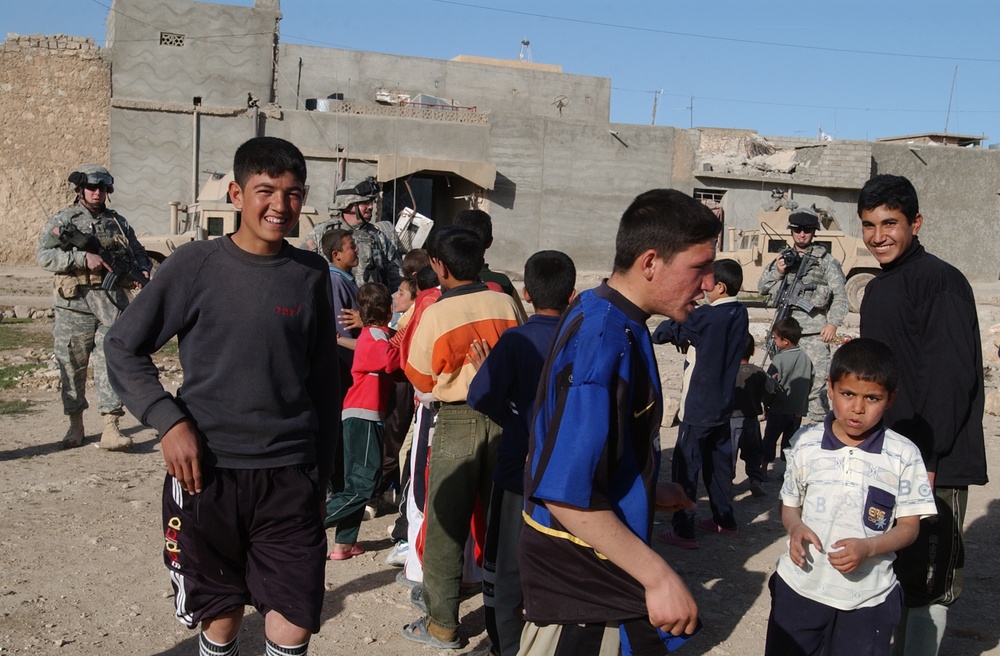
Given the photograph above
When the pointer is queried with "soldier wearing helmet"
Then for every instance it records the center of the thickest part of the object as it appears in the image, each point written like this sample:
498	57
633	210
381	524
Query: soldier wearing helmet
824	280
83	310
379	251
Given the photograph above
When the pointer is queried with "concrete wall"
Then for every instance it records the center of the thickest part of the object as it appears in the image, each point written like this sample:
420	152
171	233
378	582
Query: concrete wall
54	94
958	190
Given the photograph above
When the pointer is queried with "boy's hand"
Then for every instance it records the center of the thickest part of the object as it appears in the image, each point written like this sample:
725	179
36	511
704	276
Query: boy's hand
671	606
478	351
350	319
670	497
181	447
852	552
799	537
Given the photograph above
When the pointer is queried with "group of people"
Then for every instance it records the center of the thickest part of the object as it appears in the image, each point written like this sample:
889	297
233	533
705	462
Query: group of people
536	447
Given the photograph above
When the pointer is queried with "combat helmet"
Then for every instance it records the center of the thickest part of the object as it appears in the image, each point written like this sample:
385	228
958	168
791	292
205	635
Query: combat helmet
354	191
92	174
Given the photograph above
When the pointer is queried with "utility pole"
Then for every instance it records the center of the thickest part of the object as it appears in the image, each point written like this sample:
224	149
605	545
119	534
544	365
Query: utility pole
690	109
950	95
656	96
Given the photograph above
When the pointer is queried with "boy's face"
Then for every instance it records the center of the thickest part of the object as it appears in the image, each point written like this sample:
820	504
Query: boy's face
270	210
347	257
887	233
781	342
682	281
402	299
858	406
716	292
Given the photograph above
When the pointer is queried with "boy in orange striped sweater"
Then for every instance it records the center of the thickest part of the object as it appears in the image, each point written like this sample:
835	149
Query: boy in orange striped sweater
464	450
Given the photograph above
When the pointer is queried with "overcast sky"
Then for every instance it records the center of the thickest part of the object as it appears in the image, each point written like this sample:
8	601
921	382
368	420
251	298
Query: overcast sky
860	69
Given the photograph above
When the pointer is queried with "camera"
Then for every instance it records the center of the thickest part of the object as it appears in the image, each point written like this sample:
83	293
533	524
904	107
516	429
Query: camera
791	257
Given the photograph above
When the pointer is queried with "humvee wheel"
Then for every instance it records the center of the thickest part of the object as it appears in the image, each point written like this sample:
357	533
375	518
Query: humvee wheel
856	289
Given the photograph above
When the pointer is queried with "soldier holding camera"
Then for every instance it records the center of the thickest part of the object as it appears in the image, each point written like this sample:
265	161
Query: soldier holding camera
823	282
85	307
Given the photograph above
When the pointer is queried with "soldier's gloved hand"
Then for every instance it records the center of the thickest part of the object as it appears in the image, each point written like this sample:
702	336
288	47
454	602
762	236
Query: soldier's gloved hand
95	263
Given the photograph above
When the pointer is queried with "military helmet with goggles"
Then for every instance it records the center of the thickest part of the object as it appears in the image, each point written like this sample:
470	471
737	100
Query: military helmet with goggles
92	174
354	191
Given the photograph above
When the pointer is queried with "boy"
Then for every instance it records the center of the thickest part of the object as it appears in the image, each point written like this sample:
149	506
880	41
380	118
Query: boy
590	578
342	253
465	441
481	223
402	301
754	389
375	360
255	421
717	336
854	492
924	309
792	371
504	390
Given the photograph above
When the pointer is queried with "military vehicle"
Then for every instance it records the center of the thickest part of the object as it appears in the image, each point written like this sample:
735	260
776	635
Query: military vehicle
213	215
755	249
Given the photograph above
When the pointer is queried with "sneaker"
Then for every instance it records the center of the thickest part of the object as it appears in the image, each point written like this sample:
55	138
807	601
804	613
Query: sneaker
397	557
674	540
708	524
371	512
402	580
756	489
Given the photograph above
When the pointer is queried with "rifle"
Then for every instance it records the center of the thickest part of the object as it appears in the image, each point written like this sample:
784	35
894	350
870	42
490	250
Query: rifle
789	295
118	262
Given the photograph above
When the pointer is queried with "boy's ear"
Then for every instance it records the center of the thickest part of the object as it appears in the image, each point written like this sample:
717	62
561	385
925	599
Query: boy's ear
572	295
892	397
236	195
647	262
525	295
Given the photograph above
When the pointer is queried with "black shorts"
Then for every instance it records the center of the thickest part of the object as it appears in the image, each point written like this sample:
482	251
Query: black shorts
250	537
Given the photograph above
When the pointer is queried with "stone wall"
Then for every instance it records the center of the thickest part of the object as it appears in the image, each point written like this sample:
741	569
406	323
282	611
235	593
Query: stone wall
54	104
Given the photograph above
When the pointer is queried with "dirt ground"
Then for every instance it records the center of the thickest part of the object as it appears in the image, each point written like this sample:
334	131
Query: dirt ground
80	545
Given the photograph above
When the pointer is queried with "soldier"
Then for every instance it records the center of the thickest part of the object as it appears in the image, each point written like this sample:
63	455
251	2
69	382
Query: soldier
83	310
379	250
824	282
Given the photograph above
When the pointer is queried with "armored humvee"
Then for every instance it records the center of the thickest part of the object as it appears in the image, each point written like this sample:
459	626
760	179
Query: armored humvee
755	249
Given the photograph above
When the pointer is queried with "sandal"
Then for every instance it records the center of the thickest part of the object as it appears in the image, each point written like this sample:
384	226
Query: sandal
674	540
417	597
356	550
417	632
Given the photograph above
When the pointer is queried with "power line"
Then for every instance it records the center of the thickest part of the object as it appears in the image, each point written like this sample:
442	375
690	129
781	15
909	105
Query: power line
712	37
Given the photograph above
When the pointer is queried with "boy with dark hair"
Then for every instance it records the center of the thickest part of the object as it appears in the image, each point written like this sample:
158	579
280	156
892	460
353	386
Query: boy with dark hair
753	391
792	370
481	223
717	334
591	582
255	422
341	252
504	390
854	493
924	309
375	360
465	441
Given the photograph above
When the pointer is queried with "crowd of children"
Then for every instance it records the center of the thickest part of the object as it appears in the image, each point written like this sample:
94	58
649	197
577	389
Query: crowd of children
523	451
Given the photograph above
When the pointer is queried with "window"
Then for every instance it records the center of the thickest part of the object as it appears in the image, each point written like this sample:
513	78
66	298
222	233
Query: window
170	39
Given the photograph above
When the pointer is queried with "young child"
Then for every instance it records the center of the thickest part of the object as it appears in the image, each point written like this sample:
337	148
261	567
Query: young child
342	253
717	336
402	301
854	494
465	441
504	390
754	389
375	360
256	420
481	223
591	582
793	372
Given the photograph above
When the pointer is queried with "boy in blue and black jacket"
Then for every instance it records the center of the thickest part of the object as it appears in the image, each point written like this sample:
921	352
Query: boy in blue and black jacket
717	336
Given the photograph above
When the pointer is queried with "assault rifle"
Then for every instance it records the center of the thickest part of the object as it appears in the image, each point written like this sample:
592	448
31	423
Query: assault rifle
789	295
117	260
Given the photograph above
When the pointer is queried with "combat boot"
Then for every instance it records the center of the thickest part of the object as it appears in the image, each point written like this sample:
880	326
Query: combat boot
112	438
74	434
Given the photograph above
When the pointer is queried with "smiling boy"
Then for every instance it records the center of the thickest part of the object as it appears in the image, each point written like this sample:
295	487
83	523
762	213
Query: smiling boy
924	309
249	435
854	493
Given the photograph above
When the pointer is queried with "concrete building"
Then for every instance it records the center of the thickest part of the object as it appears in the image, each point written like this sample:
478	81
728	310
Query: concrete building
528	143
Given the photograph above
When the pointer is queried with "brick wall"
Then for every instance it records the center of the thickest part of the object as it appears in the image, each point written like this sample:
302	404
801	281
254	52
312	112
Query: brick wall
55	93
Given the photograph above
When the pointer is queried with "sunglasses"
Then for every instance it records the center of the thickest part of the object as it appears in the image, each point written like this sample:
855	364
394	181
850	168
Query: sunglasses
95	187
801	229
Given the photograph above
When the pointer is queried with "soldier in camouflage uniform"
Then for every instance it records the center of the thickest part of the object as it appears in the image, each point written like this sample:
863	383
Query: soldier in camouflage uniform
379	251
825	283
83	310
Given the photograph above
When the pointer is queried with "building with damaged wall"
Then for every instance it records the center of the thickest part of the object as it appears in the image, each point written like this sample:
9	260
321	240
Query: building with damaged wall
528	143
